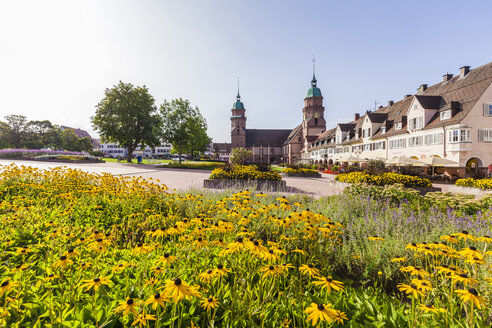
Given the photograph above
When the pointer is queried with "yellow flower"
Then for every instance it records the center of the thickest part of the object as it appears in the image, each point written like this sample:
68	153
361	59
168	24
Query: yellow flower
207	276
156	300
431	308
471	295
7	285
127	306
398	259
410	290
96	283
269	271
309	269
166	259
375	238
62	262
142	319
329	284
210	303
320	312
178	289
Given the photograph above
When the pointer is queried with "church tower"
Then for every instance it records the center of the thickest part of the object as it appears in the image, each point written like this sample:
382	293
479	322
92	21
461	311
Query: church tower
238	123
313	114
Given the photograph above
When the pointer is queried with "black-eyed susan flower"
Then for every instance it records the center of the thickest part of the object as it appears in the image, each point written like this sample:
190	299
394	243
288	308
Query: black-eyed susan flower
142	320
320	312
51	277
415	271
85	265
209	303
156	300
329	284
449	239
422	284
220	270
309	269
127	306
95	283
471	252
70	253
471	295
270	271
410	290
398	259
178	289
464	279
166	259
62	262
485	239
464	235
120	267
431	308
207	276
375	238
7	285
157	270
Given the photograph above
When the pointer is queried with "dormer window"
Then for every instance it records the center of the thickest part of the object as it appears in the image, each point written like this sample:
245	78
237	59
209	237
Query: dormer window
357	135
445	115
398	126
383	130
487	109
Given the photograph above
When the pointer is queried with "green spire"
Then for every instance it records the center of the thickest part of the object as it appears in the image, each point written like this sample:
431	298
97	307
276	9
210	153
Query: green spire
238	104
314	91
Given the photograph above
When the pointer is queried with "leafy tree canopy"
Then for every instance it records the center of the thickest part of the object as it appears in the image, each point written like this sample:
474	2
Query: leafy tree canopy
127	115
184	127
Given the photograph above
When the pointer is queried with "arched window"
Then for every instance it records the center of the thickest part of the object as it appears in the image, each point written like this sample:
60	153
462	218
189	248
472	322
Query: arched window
237	128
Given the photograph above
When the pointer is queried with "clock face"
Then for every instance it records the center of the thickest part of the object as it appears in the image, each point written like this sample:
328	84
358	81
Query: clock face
316	115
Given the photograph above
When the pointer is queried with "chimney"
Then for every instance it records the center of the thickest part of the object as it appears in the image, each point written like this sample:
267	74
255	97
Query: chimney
421	89
464	70
390	102
446	77
356	116
406	96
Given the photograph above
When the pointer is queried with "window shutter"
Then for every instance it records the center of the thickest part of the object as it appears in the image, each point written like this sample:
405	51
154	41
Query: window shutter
480	135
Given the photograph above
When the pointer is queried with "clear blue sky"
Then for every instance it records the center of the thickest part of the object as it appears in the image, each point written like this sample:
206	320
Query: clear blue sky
57	57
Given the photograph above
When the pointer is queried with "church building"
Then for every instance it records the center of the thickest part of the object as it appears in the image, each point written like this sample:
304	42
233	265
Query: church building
280	145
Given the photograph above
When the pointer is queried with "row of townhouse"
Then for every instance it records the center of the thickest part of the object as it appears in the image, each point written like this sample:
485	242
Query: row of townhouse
451	119
115	150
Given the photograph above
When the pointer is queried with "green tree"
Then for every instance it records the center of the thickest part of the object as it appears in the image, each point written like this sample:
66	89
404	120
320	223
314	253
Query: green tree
17	131
4	135
127	116
240	155
38	133
184	127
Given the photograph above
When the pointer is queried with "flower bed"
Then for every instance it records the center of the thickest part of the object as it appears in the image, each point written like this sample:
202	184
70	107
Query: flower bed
301	172
384	179
330	172
32	153
243	172
475	183
68	158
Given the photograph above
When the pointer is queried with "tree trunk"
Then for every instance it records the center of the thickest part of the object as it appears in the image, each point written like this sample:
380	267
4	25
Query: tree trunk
179	150
131	149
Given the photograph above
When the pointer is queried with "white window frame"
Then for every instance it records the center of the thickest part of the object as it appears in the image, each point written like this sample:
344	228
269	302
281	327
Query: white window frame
459	135
445	115
487	109
485	135
415	141
398	126
433	139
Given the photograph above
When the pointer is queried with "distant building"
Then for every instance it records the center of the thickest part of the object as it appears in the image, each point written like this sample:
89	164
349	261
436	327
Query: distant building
114	150
221	151
280	145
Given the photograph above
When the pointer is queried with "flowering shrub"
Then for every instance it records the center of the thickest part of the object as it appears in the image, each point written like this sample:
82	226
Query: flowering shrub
31	153
384	179
476	183
395	193
301	172
244	172
65	157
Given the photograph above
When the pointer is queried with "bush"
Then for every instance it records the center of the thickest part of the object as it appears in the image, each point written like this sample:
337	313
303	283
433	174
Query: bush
243	172
301	172
384	179
476	183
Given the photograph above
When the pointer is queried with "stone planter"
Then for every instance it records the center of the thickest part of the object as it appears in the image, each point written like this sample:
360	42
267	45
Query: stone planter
78	161
264	185
470	190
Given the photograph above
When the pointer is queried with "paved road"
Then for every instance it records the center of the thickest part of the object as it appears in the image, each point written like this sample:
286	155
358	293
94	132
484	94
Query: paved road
185	179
